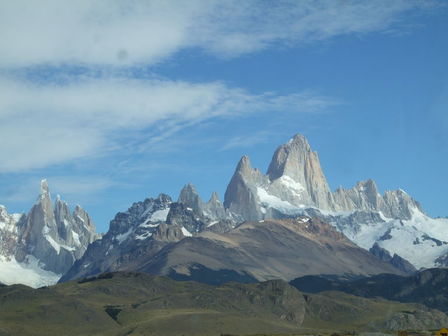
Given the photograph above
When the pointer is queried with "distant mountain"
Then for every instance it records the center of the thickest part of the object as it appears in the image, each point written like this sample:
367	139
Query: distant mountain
428	287
38	247
136	303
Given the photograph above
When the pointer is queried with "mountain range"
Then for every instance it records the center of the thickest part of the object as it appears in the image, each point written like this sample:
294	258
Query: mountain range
283	224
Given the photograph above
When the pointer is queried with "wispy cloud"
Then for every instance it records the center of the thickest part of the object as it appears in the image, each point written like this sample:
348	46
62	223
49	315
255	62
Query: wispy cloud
246	140
44	124
146	32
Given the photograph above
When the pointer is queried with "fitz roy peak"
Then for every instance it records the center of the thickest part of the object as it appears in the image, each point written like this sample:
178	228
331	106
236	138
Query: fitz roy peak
295	180
37	248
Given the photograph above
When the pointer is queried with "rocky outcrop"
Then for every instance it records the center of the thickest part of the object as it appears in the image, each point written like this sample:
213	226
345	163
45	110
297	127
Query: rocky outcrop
394	260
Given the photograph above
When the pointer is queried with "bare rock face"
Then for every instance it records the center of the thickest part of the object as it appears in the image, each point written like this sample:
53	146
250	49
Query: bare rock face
190	219
241	195
294	164
190	197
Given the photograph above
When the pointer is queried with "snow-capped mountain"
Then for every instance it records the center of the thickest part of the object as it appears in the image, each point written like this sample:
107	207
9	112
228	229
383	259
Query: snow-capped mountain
37	248
151	234
295	184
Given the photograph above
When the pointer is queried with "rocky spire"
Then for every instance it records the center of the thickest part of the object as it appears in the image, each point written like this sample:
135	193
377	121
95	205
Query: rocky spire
297	162
214	208
52	235
214	198
62	217
44	187
241	193
190	198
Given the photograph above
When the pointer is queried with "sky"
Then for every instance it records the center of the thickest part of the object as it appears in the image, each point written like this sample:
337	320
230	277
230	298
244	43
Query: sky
116	101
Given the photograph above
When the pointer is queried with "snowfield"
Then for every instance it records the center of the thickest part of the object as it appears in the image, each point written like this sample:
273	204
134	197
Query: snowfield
28	273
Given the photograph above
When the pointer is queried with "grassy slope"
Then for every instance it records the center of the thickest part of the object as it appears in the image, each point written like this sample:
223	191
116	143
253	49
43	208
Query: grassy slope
139	304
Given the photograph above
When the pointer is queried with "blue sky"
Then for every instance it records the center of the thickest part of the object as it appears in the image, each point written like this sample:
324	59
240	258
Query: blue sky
114	101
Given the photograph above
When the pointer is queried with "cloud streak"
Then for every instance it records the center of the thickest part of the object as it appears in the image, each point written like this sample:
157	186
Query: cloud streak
47	124
246	140
119	33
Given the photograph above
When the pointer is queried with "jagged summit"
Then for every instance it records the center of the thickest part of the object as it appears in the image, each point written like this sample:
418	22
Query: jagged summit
44	187
213	209
214	198
244	166
190	197
285	157
44	243
295	180
296	161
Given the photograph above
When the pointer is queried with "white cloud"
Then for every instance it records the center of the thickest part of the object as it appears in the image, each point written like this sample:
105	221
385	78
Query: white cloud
121	33
45	124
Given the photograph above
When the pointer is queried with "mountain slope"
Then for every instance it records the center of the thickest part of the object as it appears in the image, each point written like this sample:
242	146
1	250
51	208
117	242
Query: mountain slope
271	249
429	287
